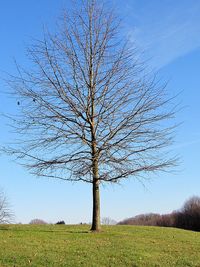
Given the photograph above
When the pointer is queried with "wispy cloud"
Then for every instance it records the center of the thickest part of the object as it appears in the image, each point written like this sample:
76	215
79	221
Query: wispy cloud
165	30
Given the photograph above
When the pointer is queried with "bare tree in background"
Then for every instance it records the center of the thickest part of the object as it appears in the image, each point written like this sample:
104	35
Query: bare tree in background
37	221
192	205
88	111
6	215
108	221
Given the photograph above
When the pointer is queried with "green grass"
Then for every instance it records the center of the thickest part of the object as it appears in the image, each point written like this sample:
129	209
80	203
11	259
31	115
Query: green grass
57	245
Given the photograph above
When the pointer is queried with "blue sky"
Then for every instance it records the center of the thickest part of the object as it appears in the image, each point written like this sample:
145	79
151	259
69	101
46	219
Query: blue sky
168	34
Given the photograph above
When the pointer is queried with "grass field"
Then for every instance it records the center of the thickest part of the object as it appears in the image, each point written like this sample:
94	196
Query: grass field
59	245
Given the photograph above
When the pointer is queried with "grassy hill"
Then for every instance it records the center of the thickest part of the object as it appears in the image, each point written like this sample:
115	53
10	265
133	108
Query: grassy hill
60	245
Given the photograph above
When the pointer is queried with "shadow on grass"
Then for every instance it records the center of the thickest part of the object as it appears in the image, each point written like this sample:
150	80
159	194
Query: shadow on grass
4	228
78	232
59	231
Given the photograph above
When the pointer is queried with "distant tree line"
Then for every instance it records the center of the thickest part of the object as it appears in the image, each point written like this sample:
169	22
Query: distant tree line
40	221
188	217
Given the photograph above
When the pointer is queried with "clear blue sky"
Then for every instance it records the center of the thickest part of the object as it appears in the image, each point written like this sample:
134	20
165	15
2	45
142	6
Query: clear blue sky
168	33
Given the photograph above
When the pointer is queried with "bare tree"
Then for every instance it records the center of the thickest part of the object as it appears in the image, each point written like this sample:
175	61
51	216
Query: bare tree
37	221
6	215
108	221
189	216
192	205
88	111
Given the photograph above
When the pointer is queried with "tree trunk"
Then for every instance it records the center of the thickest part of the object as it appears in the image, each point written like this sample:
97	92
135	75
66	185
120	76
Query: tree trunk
96	226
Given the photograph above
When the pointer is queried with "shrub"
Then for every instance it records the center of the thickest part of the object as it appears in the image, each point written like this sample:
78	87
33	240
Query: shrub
37	221
60	222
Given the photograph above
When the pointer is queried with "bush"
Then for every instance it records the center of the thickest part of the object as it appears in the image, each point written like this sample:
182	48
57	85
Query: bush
37	221
60	222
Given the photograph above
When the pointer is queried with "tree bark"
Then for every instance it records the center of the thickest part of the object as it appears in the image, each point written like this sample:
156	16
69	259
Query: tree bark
96	225
96	207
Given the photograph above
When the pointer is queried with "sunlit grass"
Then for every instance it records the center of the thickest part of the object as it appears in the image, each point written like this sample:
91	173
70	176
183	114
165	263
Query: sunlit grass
59	245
